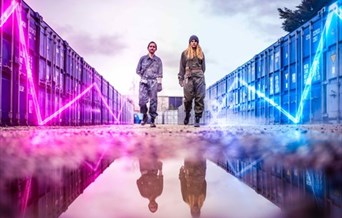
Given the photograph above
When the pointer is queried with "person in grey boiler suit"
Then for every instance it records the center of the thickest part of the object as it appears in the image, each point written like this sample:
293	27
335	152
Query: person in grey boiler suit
150	70
191	78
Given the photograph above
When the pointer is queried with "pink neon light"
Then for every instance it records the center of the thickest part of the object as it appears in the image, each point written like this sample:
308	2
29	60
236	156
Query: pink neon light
33	90
107	106
66	105
25	197
97	164
28	68
76	99
120	112
8	12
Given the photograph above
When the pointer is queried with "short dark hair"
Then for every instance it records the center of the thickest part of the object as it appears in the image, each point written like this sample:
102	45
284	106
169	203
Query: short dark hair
151	43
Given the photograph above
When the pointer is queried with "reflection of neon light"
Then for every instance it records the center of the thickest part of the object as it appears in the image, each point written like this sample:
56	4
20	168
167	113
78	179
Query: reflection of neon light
31	86
310	182
8	12
97	164
232	168
254	163
25	197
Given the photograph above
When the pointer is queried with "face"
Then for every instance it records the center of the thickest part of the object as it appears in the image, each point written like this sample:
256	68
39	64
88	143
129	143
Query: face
152	47
193	43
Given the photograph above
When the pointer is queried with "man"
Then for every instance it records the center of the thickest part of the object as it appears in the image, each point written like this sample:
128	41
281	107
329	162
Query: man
191	78
150	69
150	183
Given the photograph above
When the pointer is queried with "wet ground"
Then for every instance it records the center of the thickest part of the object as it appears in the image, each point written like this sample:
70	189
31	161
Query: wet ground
171	171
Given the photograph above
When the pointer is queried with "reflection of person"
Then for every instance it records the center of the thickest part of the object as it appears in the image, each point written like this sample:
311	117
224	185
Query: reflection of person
150	69
150	183
193	184
191	78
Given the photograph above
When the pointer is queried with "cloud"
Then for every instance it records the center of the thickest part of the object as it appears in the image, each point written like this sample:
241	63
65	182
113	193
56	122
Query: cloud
86	44
257	14
170	58
235	7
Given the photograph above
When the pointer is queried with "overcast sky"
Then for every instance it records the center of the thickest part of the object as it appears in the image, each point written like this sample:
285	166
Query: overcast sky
111	35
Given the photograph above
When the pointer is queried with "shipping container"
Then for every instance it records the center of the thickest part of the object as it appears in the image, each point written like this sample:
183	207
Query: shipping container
297	79
170	117
42	77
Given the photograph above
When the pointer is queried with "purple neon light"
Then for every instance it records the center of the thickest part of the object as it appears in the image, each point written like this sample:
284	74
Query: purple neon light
66	105
8	12
76	99
97	163
28	68
25	197
31	87
105	103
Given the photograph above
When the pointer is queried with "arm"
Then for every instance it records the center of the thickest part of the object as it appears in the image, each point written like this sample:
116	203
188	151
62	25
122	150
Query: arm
203	64
160	71
139	69
182	65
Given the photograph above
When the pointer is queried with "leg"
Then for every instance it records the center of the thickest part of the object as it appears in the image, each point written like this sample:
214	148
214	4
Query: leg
199	99
188	98
153	101
143	99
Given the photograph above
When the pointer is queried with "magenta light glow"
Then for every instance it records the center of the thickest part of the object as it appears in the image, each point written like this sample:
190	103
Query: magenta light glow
25	197
97	163
106	104
31	87
8	12
66	105
76	99
28	68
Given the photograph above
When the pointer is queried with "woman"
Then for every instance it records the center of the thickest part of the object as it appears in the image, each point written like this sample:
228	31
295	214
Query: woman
191	78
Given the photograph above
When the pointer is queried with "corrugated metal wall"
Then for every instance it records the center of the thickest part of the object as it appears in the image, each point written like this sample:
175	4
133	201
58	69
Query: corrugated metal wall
45	81
295	80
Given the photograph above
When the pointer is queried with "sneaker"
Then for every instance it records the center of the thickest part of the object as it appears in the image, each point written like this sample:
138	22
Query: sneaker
144	120
197	121
152	123
186	119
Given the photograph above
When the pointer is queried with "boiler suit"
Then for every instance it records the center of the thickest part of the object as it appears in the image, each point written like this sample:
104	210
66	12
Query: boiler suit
150	69
191	74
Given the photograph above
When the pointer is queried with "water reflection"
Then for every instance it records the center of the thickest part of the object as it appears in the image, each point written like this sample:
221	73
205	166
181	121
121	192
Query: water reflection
193	184
150	183
44	173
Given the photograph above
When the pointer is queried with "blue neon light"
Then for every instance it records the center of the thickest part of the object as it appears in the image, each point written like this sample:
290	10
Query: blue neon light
314	69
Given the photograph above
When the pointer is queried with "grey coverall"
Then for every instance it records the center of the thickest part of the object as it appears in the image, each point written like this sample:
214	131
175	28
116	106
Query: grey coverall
191	72
149	69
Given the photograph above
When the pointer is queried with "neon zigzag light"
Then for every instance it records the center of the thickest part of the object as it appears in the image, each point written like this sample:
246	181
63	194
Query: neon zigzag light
25	197
28	68
313	69
296	119
305	94
8	12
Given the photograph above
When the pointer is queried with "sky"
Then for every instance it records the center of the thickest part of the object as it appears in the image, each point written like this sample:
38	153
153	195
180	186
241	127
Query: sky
111	35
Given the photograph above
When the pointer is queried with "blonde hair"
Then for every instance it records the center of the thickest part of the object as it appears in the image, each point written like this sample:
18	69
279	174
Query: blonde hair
191	53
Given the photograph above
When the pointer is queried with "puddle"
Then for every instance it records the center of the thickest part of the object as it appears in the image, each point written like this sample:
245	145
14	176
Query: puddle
130	171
